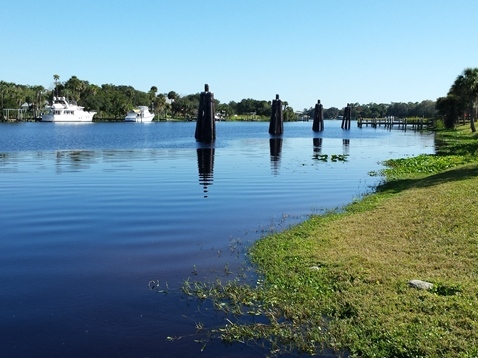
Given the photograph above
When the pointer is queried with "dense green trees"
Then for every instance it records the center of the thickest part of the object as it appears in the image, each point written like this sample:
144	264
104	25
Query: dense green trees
249	106
331	112
379	110
461	100
109	101
14	96
114	101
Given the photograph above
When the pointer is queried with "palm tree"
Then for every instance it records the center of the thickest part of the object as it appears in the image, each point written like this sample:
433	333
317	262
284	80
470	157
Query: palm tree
172	95
466	88
56	78
76	86
4	90
448	107
152	95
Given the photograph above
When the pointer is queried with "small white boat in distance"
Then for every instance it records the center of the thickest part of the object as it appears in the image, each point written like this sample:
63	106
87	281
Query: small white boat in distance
140	114
62	111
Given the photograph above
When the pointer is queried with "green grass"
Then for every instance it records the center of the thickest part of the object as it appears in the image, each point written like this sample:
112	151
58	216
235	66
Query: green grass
340	280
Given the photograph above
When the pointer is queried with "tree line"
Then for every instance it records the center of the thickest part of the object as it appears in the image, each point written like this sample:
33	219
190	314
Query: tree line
114	101
424	109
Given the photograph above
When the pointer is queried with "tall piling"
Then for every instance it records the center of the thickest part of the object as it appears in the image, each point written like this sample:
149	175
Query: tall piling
347	117
206	124
318	125
276	125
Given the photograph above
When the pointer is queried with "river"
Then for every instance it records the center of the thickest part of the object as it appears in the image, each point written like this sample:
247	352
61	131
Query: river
91	213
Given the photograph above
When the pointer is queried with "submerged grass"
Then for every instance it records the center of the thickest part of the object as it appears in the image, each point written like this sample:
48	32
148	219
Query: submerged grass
340	280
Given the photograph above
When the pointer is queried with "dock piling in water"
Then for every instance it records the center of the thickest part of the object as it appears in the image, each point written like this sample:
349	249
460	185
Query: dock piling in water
347	117
206	125
276	125
318	125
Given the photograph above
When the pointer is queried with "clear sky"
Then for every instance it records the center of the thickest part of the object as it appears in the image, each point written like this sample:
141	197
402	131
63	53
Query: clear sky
338	51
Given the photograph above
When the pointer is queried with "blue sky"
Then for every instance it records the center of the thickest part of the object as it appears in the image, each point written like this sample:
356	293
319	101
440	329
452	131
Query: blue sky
338	51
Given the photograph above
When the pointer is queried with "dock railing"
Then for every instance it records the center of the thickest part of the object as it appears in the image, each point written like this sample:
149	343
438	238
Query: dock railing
390	122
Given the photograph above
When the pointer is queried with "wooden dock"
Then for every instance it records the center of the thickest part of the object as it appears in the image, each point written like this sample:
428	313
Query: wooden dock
401	123
19	115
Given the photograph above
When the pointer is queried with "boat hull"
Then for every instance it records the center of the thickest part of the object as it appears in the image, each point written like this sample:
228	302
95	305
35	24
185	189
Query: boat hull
83	117
139	119
139	115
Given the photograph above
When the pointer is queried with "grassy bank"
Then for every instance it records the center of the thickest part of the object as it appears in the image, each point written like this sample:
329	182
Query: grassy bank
341	280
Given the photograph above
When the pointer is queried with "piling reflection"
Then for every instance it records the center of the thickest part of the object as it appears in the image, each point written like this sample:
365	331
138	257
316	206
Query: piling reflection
275	145
346	146
74	160
317	145
205	167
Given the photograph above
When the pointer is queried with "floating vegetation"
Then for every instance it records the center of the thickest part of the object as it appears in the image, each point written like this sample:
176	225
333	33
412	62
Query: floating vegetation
333	157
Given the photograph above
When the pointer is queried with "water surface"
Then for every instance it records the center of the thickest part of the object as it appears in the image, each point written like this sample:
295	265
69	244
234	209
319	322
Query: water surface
90	213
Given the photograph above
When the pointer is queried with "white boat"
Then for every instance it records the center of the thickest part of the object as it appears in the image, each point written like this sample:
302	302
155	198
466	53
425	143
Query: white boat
140	114
62	111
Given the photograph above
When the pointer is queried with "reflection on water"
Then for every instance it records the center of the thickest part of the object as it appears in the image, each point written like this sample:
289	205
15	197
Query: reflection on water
205	167
317	145
346	145
275	145
76	160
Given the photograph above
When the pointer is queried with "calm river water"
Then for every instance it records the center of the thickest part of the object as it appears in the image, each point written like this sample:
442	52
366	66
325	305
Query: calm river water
90	213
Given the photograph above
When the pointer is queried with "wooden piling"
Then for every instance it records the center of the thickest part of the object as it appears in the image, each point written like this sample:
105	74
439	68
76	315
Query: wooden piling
347	117
318	125
276	125
206	122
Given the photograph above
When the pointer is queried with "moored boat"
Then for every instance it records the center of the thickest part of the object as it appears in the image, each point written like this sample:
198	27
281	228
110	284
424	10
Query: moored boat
140	114
63	111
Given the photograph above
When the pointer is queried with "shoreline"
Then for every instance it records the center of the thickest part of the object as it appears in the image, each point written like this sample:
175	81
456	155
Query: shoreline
340	281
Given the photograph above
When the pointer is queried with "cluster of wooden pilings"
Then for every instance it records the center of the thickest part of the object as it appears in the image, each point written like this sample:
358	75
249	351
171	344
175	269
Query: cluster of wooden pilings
347	117
318	124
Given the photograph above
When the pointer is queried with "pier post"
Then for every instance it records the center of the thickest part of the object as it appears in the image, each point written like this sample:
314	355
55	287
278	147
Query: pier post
318	125
276	125
206	125
346	118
